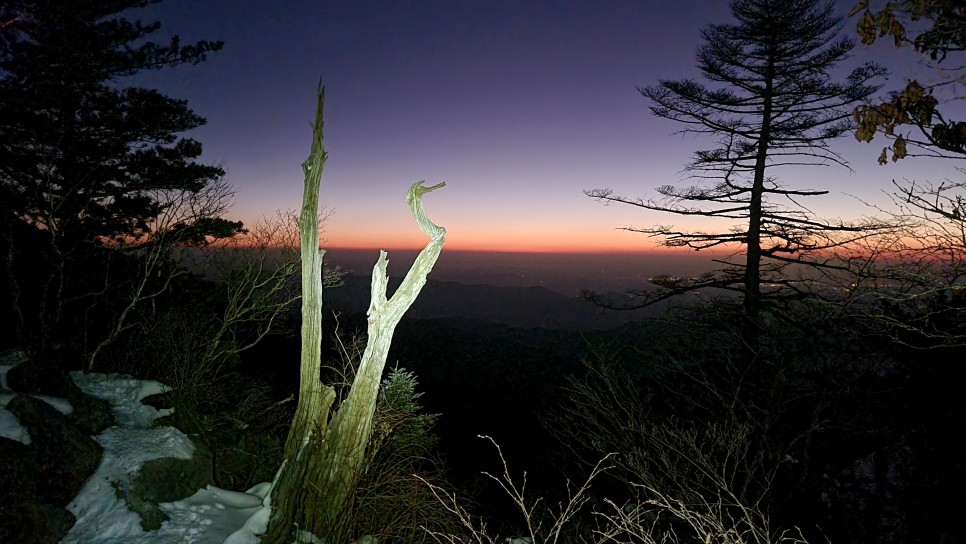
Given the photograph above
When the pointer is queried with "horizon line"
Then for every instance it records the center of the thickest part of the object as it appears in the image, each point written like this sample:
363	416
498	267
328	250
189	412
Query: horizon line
651	251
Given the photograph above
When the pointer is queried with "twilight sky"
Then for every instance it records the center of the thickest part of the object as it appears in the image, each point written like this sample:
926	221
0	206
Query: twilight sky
519	105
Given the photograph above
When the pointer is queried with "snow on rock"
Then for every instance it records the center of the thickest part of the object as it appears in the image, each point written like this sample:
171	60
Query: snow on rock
125	395
10	426
221	516
3	376
61	405
210	516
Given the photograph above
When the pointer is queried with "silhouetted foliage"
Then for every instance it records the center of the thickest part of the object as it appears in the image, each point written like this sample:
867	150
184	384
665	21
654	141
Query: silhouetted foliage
773	102
945	29
829	432
85	157
934	28
911	283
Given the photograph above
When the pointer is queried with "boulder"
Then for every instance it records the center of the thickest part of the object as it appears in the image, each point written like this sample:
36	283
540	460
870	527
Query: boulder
34	523
38	379
160	400
18	478
24	518
166	480
12	357
91	415
66	455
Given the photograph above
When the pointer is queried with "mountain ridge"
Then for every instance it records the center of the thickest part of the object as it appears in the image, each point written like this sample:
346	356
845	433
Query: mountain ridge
520	307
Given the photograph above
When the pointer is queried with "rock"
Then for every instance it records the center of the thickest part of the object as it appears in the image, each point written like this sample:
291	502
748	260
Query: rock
66	455
18	478
91	415
175	417
12	357
182	416
25	477
23	518
165	480
160	400
38	379
34	523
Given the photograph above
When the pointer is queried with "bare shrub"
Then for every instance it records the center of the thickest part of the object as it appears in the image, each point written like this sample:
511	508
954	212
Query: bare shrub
541	523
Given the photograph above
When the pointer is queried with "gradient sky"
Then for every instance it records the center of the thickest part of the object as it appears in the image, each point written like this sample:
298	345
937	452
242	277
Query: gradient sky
519	105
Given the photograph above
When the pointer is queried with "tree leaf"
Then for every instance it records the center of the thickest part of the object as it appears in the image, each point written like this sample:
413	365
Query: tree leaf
899	149
863	4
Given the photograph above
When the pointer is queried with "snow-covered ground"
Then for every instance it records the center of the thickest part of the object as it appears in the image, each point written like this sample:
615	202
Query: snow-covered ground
210	516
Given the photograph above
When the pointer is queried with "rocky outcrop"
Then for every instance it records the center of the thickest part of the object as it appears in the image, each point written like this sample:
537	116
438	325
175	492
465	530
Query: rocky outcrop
39	479
91	415
34	523
18	479
66	456
38	379
165	480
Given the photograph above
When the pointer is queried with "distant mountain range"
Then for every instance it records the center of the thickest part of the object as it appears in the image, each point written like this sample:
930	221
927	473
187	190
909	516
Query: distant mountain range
520	307
560	272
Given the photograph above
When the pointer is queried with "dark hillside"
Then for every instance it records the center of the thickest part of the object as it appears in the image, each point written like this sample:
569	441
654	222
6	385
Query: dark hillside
521	307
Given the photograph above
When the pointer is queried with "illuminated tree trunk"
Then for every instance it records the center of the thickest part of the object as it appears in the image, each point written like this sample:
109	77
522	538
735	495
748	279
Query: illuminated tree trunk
323	457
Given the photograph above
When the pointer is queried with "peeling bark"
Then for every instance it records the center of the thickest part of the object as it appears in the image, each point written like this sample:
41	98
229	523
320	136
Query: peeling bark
324	458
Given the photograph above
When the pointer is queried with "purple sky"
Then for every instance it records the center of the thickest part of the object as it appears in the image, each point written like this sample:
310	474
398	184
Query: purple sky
519	105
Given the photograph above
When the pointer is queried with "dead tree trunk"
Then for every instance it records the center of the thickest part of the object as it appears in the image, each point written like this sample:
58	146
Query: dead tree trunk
323	457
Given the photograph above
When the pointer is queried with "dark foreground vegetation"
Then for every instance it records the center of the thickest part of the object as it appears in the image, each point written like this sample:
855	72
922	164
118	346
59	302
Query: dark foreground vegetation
839	429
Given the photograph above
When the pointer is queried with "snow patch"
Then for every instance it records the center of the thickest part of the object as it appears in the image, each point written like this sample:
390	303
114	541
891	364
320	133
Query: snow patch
210	516
3	376
222	516
10	426
61	405
124	394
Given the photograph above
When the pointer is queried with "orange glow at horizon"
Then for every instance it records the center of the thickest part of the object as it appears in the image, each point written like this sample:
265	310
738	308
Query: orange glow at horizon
505	238
599	243
487	241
